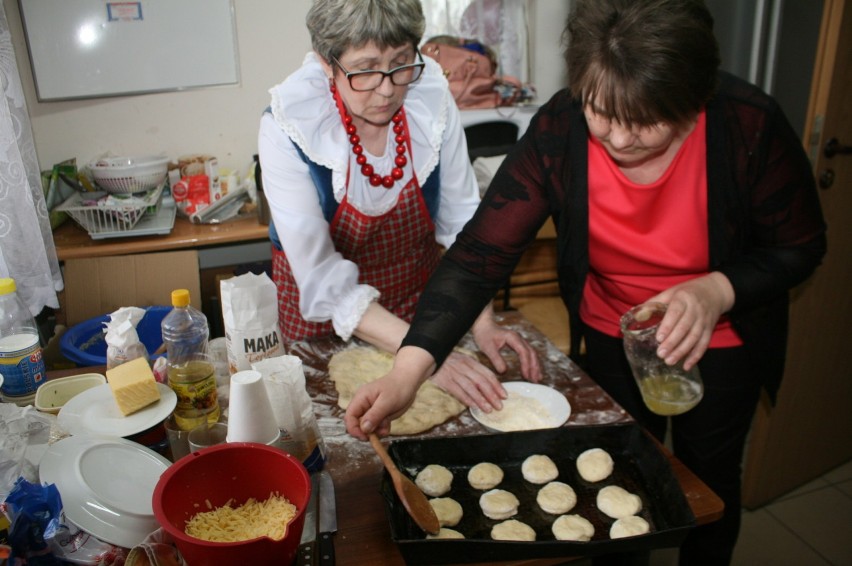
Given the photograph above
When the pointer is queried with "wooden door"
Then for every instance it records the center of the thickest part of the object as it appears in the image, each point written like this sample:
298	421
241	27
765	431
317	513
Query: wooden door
809	431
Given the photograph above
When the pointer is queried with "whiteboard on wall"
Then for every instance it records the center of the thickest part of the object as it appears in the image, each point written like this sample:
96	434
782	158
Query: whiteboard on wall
94	48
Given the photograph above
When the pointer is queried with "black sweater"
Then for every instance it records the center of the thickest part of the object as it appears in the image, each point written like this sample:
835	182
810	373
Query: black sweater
766	229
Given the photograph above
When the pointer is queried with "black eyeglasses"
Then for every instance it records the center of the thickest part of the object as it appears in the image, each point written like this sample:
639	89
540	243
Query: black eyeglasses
368	80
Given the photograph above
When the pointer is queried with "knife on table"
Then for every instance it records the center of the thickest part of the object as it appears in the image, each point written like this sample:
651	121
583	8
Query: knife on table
327	519
307	545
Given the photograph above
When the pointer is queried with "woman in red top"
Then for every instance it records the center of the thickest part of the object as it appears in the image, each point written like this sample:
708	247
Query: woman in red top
667	181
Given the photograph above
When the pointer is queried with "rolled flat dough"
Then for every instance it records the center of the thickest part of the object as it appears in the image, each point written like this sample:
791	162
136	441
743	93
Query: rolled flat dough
352	368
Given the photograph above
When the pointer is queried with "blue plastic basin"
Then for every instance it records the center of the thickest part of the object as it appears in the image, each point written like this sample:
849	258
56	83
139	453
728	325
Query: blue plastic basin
84	343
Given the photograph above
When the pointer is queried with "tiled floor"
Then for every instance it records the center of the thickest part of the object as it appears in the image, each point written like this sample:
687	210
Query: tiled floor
810	526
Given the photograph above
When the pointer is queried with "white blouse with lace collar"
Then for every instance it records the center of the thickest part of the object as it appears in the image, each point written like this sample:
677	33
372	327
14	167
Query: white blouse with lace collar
304	114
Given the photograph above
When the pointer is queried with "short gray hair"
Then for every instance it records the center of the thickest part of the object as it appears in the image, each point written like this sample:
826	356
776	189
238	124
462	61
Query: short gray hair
338	25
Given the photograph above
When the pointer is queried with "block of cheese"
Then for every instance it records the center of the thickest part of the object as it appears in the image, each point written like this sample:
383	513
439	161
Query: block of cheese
133	385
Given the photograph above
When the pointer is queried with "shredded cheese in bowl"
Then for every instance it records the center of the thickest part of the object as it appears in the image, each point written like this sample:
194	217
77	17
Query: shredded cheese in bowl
248	521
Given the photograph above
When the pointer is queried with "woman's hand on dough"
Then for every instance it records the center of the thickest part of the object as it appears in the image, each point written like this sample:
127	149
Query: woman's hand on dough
492	338
694	308
375	404
470	382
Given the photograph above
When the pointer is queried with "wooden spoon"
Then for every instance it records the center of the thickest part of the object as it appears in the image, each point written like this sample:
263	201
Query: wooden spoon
414	501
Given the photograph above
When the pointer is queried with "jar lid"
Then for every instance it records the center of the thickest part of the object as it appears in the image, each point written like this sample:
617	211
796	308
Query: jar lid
7	285
642	317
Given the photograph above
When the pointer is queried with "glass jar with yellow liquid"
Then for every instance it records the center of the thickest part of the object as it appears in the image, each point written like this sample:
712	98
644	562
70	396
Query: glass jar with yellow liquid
666	390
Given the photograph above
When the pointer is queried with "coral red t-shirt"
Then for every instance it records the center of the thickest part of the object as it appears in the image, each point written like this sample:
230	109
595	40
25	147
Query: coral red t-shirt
644	239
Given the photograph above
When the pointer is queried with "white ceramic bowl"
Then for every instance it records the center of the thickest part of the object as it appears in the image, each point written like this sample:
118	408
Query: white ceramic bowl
52	395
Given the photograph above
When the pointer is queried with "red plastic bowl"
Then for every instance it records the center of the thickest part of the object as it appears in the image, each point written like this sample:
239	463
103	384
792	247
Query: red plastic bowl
235	471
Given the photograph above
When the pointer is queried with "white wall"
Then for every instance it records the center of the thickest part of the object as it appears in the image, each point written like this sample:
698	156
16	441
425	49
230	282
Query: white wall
220	121
547	20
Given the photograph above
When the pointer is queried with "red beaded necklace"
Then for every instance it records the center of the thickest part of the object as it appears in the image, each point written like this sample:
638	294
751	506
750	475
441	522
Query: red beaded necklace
401	138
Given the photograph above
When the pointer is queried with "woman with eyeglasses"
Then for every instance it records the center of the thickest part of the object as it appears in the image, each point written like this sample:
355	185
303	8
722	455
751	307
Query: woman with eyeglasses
367	174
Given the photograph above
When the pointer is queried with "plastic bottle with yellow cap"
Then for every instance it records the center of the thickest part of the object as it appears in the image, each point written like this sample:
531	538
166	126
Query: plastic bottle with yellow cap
190	368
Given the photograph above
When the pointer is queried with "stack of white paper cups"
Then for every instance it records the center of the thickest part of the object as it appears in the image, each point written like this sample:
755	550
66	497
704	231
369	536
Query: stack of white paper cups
250	415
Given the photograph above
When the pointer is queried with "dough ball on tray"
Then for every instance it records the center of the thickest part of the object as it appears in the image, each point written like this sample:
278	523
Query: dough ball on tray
512	530
594	465
499	504
573	527
485	475
446	533
556	498
629	527
539	469
448	510
617	502
434	480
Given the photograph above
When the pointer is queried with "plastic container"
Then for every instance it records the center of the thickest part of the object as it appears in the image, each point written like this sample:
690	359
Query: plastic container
84	343
21	355
191	370
132	174
52	395
231	472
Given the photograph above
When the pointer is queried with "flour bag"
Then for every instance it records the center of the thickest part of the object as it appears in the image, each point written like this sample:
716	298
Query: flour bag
250	314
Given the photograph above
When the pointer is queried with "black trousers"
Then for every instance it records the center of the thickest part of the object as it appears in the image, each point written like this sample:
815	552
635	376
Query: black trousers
709	439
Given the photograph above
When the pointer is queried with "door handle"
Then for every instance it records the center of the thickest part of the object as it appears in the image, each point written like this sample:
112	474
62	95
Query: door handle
834	147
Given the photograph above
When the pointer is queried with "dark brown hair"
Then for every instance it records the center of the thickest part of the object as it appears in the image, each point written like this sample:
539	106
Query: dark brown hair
642	61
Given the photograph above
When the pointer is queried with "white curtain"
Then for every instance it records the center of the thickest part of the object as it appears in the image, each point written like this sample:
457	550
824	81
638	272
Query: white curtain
27	252
499	24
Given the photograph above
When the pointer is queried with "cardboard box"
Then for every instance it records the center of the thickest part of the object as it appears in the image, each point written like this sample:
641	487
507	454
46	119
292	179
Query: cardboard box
99	286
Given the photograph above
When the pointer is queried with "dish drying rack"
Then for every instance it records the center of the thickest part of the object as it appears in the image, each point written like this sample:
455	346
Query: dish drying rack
110	217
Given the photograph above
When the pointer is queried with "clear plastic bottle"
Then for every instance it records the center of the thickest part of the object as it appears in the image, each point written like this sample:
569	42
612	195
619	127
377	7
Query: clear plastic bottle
191	369
21	355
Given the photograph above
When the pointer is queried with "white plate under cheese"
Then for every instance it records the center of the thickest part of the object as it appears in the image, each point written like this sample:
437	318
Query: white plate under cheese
95	411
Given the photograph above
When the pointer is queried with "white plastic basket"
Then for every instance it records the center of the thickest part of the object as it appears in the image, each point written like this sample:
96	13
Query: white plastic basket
127	175
113	215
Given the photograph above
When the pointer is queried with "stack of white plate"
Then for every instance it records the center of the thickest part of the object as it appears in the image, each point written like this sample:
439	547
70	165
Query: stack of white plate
106	485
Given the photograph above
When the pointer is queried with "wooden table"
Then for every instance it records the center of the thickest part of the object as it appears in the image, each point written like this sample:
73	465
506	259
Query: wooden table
73	242
96	271
363	537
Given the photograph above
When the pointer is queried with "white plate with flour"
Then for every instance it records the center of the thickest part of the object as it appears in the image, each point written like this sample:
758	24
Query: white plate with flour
529	406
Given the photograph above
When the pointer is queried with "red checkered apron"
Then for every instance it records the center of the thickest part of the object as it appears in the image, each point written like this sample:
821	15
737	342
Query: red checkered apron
395	253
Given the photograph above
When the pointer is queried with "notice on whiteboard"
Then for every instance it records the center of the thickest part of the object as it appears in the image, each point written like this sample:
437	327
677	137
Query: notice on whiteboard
124	11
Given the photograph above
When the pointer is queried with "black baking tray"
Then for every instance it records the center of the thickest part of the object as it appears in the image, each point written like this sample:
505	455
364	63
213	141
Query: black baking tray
640	467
